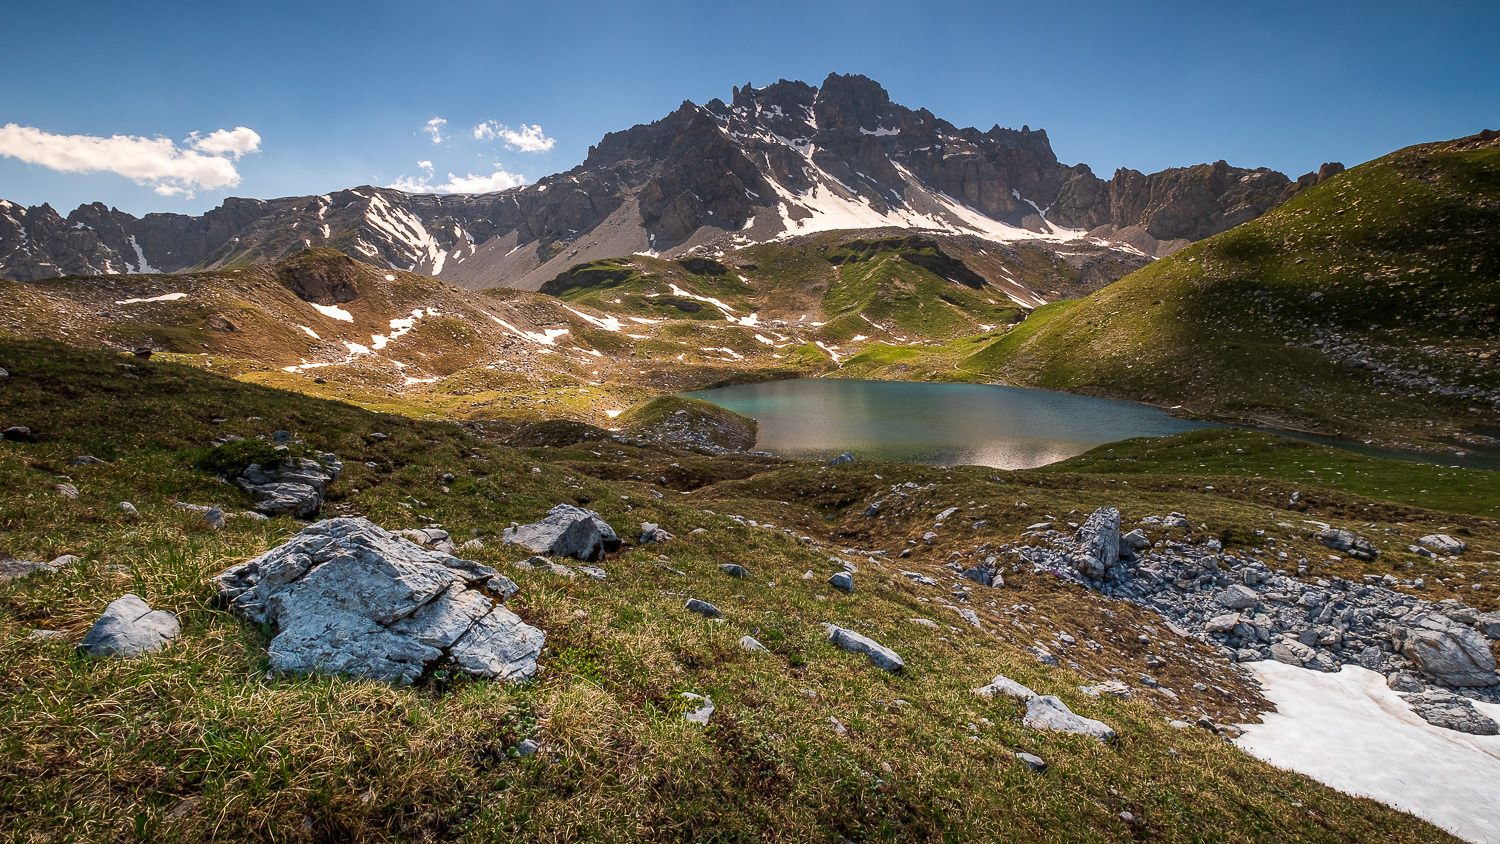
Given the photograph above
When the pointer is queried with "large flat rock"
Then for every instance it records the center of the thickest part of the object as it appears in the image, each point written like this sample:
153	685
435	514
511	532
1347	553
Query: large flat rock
347	597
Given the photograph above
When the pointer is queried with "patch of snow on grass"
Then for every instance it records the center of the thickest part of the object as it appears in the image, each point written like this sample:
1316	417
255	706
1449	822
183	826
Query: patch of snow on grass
831	350
401	326
165	297
310	332
546	337
410	381
1351	732
613	413
333	312
728	312
608	323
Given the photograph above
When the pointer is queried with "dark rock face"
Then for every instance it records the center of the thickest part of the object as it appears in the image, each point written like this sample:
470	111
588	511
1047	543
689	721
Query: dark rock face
718	165
319	277
1188	203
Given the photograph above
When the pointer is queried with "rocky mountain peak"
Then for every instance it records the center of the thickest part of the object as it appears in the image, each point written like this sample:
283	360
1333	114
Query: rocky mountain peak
854	102
779	161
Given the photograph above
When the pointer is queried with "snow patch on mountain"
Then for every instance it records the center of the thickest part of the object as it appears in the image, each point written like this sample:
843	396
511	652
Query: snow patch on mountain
142	265
165	297
332	312
405	229
729	313
608	323
401	326
546	337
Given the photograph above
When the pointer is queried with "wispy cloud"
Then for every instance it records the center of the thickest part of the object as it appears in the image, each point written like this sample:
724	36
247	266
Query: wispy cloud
434	129
526	139
496	181
200	163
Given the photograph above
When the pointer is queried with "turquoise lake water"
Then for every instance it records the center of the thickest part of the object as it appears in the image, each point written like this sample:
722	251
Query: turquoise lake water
974	424
937	424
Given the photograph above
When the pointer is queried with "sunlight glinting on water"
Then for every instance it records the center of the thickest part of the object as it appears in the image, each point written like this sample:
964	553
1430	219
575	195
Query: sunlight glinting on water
939	424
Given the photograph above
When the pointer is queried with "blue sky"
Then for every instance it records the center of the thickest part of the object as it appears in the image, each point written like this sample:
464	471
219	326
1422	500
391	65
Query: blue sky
271	98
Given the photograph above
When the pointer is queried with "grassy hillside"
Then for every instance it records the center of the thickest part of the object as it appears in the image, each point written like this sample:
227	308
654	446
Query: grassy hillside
1368	305
201	742
833	287
325	325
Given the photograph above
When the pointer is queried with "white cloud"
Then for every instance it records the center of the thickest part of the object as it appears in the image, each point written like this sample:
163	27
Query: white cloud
526	139
496	181
434	129
233	143
202	163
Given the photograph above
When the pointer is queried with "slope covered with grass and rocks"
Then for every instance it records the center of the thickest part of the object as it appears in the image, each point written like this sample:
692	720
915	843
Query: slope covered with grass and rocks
806	740
1366	306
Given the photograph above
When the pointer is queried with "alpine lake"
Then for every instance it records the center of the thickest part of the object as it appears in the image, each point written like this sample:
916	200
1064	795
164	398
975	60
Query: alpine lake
944	424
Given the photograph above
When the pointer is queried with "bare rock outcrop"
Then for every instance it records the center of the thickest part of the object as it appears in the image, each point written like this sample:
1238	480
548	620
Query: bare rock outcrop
566	531
1098	544
348	597
1449	653
293	487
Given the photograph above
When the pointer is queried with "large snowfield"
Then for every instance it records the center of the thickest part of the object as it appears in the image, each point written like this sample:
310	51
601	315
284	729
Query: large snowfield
1350	731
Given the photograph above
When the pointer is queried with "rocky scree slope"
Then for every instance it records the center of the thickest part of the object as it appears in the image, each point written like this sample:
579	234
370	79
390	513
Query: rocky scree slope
785	159
1367	305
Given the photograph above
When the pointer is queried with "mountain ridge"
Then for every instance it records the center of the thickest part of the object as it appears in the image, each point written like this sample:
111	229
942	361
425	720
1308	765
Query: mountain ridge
785	159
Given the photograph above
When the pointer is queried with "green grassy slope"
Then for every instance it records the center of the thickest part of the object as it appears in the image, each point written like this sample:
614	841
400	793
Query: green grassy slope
200	742
841	284
1367	305
911	286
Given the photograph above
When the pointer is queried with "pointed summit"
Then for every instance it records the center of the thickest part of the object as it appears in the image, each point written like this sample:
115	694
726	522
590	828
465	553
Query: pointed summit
780	161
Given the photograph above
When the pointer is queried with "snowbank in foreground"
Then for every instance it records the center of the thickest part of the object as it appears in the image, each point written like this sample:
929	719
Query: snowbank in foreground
1351	732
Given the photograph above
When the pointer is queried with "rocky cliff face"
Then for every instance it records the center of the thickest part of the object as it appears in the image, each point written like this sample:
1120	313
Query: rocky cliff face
782	160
